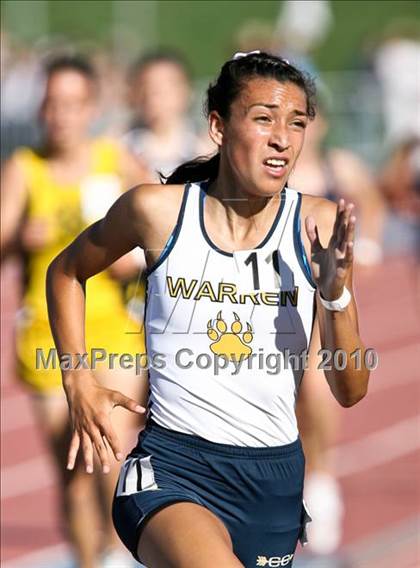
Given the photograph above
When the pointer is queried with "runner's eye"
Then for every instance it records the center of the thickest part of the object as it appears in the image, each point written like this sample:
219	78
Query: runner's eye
263	118
299	123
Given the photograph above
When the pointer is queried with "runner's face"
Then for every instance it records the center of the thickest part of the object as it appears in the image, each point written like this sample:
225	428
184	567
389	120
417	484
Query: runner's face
264	134
68	108
160	93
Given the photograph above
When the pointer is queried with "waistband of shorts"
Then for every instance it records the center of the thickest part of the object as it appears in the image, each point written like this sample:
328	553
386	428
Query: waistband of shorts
191	441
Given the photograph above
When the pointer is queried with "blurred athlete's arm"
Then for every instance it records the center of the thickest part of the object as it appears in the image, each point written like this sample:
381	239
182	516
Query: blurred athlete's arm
332	269
317	409
13	203
17	231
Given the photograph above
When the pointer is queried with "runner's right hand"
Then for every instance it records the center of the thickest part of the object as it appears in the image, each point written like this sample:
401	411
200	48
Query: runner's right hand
90	407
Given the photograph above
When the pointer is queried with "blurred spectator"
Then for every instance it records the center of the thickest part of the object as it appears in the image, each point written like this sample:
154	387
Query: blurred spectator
397	66
160	97
22	84
302	26
21	93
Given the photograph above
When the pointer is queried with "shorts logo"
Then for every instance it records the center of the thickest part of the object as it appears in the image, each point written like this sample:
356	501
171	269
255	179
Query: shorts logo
274	561
231	344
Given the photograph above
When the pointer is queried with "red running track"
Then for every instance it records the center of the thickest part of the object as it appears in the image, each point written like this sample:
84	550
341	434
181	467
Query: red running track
377	456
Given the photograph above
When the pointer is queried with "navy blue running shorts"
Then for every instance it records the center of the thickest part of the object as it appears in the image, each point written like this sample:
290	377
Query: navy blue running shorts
255	492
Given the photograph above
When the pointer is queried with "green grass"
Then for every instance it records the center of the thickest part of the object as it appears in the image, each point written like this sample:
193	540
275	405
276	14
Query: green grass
203	30
358	26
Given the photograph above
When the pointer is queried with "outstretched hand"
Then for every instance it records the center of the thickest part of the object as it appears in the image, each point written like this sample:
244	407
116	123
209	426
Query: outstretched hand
330	265
90	408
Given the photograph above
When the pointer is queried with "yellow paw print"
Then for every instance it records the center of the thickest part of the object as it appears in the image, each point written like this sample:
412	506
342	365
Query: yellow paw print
232	344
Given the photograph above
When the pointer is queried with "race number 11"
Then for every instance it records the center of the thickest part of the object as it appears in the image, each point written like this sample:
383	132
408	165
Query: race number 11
256	270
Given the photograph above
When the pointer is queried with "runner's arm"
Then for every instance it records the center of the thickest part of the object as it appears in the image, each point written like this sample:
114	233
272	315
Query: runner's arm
331	232
91	252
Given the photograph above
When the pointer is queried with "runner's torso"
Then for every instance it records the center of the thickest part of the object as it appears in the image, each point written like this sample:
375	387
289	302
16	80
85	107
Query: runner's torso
256	307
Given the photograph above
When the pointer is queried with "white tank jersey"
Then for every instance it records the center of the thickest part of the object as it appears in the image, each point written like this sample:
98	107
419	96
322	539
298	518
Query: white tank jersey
227	333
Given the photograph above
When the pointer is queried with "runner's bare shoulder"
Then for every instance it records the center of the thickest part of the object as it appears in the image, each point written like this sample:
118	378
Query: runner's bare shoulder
154	208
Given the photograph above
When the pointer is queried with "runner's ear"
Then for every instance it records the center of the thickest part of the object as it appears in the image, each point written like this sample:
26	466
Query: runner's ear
216	127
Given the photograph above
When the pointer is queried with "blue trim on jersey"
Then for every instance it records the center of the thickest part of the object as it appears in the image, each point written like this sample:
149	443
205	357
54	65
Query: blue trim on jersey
146	305
170	243
299	248
203	193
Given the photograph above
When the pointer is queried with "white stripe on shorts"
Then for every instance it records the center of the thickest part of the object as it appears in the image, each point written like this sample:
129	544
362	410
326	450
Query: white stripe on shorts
121	479
131	478
147	474
128	480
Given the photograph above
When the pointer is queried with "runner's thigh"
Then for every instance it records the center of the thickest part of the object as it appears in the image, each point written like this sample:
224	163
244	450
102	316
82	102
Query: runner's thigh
186	535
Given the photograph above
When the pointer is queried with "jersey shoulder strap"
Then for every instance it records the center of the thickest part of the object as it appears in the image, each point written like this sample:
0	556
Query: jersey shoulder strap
185	231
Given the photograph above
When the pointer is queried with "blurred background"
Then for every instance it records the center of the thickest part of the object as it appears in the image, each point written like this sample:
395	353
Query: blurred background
365	145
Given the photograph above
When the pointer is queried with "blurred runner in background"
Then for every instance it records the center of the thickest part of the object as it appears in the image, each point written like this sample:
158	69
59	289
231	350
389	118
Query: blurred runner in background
163	134
399	181
160	96
49	195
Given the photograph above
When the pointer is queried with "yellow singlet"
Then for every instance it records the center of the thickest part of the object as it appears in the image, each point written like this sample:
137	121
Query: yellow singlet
67	210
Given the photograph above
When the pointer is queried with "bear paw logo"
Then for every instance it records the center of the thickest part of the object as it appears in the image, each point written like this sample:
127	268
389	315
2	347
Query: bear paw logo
230	344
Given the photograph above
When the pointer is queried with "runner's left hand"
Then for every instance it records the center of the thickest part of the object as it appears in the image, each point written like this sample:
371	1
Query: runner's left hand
331	265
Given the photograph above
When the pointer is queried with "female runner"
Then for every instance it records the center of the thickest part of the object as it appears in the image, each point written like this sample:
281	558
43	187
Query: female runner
234	294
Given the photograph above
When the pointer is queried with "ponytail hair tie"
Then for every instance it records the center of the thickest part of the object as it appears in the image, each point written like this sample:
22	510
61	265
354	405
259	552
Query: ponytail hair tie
240	54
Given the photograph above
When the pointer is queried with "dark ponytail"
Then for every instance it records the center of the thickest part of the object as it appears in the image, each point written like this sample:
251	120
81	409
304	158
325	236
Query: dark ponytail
221	94
198	169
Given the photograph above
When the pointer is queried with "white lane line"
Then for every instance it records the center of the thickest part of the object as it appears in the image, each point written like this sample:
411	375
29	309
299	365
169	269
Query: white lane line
377	448
56	556
26	477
